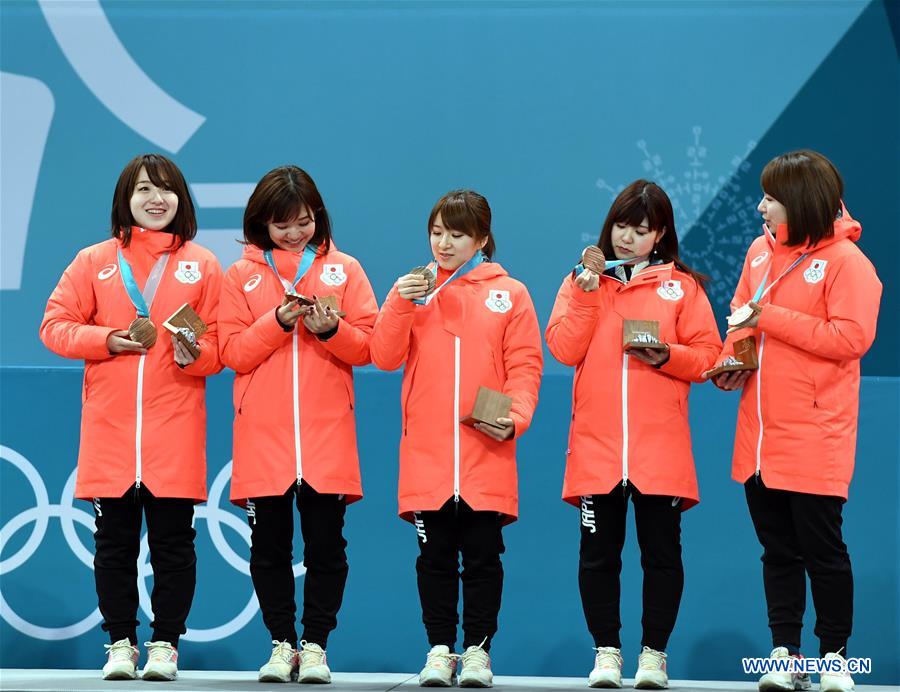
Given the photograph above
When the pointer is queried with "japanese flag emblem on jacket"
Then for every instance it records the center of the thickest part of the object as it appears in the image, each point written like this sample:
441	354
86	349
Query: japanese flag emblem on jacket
670	290
498	301
333	274
815	272
188	272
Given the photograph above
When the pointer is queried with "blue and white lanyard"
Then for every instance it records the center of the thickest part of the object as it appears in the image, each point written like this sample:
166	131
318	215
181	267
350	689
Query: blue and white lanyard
462	270
761	291
142	300
309	254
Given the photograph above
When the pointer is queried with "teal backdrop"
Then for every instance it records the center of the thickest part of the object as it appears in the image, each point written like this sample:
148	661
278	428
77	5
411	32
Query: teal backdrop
549	109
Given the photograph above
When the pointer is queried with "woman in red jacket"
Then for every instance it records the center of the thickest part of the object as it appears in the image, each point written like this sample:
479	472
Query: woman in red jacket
810	298
143	426
475	328
629	436
296	314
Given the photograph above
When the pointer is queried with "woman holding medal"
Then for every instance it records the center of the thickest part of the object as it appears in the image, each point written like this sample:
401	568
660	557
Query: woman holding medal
296	315
459	324
143	427
629	436
809	297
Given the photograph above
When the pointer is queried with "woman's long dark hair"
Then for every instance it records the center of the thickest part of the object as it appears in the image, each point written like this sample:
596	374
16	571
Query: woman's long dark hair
641	200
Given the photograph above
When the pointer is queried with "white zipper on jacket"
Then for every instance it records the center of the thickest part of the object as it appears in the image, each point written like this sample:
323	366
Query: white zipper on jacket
295	362
139	422
624	420
149	293
456	423
762	343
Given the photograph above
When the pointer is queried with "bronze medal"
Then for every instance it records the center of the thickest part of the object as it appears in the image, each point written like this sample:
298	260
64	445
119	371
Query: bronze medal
428	275
592	258
741	315
143	331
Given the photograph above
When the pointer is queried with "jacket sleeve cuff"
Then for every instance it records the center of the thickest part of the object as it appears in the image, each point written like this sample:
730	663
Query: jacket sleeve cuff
270	330
207	363
679	363
521	424
771	319
95	342
586	298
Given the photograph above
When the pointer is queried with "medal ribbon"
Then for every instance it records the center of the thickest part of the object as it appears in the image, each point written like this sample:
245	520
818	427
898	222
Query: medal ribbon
613	263
761	291
309	254
462	270
142	300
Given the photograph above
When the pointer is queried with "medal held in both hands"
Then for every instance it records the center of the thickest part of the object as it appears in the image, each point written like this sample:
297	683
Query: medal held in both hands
188	327
290	294
142	329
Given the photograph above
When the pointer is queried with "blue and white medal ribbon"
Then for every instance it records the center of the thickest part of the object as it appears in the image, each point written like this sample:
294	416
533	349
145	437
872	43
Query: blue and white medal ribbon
612	263
745	312
309	254
462	270
142	329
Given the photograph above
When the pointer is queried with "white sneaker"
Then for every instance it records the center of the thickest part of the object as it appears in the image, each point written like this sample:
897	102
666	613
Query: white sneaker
313	664
282	665
162	661
836	682
651	672
607	670
121	661
476	668
783	680
440	668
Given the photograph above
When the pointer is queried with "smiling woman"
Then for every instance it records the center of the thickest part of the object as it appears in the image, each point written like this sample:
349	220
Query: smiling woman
143	429
151	193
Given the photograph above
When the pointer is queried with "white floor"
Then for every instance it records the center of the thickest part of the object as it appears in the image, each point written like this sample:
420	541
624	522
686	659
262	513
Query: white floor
12	680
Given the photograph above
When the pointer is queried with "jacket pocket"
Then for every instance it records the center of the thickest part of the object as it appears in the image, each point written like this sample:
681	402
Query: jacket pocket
241	395
348	382
409	376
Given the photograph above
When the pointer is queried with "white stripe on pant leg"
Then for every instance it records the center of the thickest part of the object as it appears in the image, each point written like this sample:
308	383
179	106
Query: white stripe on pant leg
251	511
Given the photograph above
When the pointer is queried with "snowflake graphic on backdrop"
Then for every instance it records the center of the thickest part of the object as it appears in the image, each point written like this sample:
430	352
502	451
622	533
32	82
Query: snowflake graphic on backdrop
715	214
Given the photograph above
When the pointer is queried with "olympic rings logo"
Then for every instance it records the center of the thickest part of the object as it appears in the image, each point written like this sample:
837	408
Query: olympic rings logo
68	515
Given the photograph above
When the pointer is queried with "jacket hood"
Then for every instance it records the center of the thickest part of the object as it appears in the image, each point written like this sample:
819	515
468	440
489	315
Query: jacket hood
255	254
844	227
486	271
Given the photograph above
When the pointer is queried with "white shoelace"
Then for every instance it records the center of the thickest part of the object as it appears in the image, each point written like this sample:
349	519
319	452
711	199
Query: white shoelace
160	652
439	659
311	654
120	651
608	657
651	659
477	656
282	652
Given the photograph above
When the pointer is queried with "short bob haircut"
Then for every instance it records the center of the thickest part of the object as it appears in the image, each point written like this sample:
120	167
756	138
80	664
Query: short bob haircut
810	188
162	173
468	212
641	200
280	197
